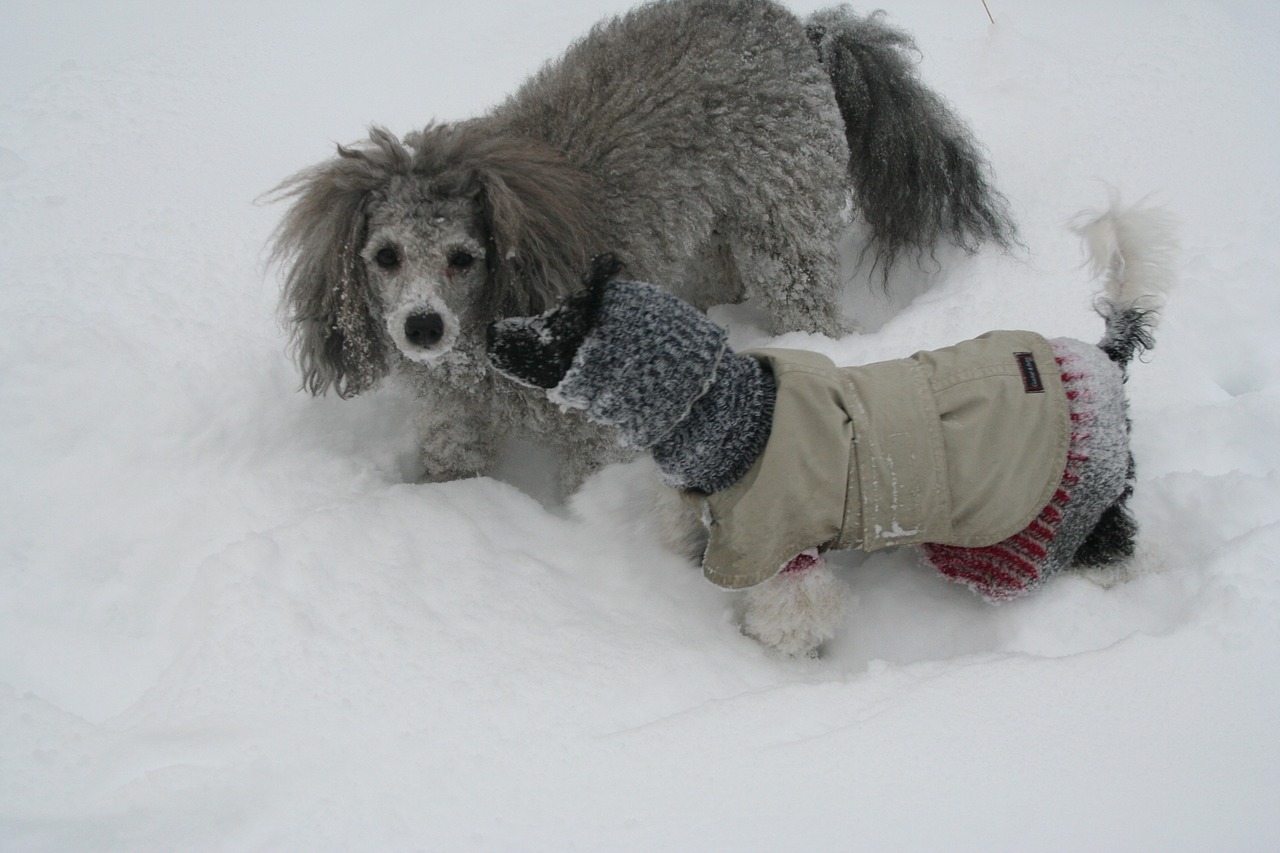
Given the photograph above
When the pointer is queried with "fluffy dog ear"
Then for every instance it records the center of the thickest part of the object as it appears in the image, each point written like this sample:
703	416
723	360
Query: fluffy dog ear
335	335
542	217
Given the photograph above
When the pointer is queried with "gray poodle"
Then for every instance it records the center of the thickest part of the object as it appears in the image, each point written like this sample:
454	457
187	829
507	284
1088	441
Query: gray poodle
722	146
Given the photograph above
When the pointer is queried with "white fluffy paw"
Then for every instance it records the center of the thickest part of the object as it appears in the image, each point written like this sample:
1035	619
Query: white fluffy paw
798	609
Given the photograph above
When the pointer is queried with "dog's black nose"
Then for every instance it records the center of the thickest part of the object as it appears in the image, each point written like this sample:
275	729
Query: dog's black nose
424	330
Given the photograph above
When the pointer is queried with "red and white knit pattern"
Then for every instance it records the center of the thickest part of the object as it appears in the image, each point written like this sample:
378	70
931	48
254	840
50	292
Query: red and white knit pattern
1014	566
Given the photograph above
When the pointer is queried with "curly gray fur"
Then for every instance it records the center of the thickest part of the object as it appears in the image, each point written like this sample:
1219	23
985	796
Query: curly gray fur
701	140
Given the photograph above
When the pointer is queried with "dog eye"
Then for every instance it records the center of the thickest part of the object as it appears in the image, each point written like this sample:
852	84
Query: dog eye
387	258
461	259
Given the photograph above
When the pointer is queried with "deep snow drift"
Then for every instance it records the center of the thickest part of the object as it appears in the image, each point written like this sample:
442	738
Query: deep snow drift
227	622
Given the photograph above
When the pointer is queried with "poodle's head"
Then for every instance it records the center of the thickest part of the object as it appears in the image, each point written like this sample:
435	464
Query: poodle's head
407	250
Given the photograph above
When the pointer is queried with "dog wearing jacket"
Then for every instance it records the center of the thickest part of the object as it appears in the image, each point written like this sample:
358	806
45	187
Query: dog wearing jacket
1005	458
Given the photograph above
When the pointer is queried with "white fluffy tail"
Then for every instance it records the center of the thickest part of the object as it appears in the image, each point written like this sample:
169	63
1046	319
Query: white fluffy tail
1134	249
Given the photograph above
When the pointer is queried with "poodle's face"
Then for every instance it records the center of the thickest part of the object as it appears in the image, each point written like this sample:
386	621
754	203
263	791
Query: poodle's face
426	264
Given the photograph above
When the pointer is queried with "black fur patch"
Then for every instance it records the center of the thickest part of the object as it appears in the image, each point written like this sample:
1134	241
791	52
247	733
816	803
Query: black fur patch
1129	334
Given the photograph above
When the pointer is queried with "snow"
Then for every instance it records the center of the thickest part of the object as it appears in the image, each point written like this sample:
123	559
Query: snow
227	622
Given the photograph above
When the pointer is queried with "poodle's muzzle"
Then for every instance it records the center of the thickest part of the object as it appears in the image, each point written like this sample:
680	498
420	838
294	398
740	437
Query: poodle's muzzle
423	331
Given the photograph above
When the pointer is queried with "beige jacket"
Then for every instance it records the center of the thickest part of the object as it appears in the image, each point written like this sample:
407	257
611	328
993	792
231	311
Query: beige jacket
957	446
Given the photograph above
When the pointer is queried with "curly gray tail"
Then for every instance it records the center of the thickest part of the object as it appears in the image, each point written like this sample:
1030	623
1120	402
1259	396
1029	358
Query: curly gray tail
918	176
1133	249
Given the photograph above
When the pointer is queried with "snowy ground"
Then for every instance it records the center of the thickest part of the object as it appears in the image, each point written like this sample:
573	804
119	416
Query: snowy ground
227	623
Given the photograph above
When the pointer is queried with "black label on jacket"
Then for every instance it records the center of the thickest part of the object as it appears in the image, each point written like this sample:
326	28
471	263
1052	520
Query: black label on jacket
1031	381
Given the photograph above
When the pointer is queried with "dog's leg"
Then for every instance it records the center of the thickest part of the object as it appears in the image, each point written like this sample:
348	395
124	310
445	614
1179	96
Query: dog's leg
795	275
798	291
455	436
798	609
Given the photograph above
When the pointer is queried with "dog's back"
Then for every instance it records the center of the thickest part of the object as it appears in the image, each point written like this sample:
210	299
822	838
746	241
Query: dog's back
717	143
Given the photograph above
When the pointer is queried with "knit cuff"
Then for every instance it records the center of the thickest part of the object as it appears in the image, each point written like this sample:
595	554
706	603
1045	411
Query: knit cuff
726	429
650	357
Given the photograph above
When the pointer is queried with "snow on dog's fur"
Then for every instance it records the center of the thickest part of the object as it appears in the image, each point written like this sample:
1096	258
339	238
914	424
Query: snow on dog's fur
715	145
